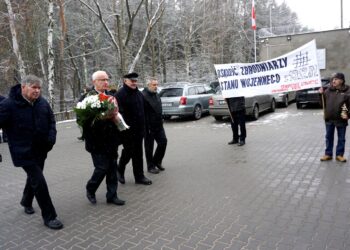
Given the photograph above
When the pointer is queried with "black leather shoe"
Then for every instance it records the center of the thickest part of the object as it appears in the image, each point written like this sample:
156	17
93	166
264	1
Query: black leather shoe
120	177
144	181
153	170
232	142
29	210
116	201
160	167
91	197
54	224
241	143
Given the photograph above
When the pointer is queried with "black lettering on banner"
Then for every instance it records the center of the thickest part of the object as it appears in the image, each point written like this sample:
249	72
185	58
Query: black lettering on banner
259	81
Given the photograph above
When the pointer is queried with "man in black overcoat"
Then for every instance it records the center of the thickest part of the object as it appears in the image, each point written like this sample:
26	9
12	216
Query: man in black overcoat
131	106
31	129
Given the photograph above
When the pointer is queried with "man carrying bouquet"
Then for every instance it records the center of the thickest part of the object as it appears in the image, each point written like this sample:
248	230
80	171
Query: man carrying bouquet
101	137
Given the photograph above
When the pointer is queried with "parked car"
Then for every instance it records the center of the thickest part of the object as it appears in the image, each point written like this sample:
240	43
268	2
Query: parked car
311	96
283	99
185	99
254	105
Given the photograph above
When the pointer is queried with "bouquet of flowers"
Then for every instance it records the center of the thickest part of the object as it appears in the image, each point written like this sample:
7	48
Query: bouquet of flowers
99	107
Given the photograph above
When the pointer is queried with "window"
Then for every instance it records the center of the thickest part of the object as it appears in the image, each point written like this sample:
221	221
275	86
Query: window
171	92
192	91
201	90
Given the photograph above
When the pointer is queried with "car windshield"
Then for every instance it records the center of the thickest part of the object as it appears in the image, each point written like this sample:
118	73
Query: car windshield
173	92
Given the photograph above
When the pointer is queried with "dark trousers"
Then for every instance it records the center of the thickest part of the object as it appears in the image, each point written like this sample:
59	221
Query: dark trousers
105	166
341	130
36	186
161	140
238	121
132	149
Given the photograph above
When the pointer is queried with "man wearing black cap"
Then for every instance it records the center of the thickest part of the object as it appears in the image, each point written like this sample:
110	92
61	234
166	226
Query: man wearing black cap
336	101
131	106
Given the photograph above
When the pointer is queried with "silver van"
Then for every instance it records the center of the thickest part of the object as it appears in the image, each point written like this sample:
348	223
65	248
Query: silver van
185	99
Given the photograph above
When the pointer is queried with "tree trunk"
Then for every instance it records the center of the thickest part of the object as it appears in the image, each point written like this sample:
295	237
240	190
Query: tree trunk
16	50
51	56
61	54
42	60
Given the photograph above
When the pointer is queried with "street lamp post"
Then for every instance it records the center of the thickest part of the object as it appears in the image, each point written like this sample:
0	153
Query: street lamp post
271	7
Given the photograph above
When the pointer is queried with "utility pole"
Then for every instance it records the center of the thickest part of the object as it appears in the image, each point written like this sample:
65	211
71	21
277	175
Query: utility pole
271	7
341	14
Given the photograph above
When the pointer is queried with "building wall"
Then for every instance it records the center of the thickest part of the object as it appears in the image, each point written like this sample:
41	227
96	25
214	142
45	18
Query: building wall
336	43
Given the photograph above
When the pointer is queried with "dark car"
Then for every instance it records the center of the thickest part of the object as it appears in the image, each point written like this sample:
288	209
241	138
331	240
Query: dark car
311	96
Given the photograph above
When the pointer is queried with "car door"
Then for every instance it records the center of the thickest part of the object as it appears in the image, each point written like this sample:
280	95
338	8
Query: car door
264	102
203	97
192	96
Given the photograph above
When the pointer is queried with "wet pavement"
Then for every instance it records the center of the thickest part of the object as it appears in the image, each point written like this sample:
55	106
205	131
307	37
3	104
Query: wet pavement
272	193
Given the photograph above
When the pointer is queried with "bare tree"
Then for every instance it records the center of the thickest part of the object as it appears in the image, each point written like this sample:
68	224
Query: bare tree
51	55
156	16
15	46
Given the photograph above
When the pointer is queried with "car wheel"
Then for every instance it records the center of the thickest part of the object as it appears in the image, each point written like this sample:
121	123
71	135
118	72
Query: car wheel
286	102
273	105
298	105
255	114
166	117
197	113
218	118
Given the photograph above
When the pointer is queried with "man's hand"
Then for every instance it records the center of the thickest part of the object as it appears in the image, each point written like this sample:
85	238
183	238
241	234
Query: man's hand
321	90
344	116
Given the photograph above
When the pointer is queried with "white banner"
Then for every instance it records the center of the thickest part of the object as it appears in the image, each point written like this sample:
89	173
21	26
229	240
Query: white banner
293	71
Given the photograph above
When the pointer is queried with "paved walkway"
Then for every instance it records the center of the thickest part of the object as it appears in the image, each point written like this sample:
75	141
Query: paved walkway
273	193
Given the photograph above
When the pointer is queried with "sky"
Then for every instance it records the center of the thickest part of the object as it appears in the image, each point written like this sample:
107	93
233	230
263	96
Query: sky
320	14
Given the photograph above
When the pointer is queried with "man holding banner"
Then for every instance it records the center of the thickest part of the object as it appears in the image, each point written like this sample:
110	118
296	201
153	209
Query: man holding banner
236	106
336	103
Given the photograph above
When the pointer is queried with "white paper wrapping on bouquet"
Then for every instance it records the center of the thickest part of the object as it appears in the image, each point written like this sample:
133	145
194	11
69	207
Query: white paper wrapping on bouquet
121	124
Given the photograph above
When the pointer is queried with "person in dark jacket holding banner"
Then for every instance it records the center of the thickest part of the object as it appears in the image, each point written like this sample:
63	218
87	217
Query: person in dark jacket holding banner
31	129
336	104
236	107
154	128
101	141
131	106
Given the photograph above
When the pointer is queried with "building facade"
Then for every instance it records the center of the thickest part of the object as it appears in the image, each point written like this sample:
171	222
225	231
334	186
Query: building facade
333	49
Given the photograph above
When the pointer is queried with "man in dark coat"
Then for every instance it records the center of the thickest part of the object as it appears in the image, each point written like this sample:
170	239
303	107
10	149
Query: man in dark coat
31	129
236	106
336	115
1	99
131	106
101	141
154	128
3	138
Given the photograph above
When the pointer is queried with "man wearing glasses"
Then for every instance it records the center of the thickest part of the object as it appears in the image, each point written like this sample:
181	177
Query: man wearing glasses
101	141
